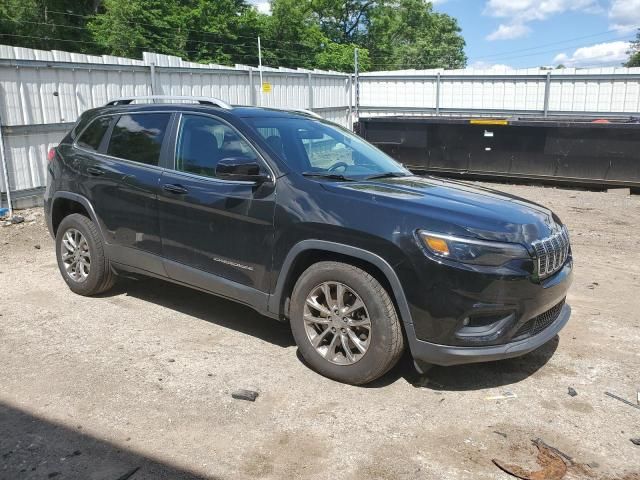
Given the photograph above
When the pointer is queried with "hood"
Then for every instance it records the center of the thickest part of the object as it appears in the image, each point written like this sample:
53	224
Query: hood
457	208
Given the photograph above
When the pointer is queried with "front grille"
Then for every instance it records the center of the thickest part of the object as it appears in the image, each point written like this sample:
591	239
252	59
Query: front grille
551	253
539	323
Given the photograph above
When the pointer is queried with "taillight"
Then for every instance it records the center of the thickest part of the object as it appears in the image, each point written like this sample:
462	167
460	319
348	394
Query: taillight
52	154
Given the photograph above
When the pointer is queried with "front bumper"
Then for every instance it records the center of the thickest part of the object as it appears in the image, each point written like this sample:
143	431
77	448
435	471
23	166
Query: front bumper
446	355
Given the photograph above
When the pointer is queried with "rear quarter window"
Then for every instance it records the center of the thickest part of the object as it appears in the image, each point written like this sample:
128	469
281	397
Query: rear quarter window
92	135
139	137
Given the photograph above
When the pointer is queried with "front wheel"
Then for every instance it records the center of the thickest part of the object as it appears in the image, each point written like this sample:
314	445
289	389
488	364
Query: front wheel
345	323
81	257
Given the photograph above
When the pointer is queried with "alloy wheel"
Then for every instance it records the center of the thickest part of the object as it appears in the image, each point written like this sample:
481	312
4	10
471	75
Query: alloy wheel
337	323
76	257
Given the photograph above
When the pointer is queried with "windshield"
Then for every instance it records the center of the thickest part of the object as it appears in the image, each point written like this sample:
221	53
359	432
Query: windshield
314	147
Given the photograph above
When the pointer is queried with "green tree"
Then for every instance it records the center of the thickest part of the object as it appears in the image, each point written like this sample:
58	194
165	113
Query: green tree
340	57
634	52
291	37
47	24
129	27
294	38
409	34
222	31
344	21
298	33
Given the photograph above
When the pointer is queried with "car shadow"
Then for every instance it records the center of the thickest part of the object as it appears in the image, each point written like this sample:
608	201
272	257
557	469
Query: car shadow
32	447
232	315
474	376
207	307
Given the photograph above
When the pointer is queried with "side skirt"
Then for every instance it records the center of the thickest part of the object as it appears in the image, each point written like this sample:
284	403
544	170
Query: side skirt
143	263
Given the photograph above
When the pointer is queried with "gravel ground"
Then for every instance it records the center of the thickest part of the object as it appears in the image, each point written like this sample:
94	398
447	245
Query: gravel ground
137	383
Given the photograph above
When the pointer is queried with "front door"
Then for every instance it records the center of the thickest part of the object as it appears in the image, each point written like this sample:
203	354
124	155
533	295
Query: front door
215	233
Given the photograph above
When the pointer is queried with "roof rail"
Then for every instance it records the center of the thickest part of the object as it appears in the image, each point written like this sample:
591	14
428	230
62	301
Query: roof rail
311	113
201	100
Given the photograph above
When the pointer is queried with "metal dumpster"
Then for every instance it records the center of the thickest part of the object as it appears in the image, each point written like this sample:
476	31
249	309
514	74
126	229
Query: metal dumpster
597	153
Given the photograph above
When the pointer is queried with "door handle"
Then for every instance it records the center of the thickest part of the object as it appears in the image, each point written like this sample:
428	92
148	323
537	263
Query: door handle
95	171
175	189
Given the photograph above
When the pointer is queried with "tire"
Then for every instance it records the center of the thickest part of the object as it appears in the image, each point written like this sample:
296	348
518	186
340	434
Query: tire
383	339
98	277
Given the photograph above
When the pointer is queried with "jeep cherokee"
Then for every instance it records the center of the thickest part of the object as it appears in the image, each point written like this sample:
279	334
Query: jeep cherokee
306	223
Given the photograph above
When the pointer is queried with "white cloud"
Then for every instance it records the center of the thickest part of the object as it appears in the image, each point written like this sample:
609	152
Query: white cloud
262	6
610	53
480	65
519	12
508	32
625	14
528	10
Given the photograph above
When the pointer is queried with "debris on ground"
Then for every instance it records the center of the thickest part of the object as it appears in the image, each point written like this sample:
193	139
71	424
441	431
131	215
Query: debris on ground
502	434
129	474
622	400
37	246
635	441
242	394
503	396
559	452
572	391
553	466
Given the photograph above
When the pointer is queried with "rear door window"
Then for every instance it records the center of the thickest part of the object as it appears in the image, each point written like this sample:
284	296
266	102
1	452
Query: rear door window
138	137
92	135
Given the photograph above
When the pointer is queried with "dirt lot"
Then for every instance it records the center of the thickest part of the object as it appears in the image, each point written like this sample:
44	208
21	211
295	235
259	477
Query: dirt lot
141	378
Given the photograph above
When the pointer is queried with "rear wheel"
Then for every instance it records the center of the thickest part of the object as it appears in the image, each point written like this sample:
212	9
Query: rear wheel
345	323
81	257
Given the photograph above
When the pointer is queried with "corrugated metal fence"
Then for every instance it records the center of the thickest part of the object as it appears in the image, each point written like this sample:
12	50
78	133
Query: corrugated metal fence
532	92
42	93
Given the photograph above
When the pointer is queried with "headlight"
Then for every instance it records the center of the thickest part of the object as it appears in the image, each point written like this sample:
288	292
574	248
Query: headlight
468	250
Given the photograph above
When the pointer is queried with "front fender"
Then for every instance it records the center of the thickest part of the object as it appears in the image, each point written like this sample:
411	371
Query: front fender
275	299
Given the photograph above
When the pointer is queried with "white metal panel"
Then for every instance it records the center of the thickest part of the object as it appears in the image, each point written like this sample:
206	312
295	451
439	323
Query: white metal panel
27	158
33	92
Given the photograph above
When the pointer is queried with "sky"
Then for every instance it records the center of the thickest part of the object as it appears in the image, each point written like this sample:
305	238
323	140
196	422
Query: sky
534	33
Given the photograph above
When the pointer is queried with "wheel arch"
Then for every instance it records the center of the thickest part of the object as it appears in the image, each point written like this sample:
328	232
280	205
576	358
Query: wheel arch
66	203
308	252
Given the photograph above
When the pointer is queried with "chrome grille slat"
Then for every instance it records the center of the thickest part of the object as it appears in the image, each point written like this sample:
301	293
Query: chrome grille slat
552	253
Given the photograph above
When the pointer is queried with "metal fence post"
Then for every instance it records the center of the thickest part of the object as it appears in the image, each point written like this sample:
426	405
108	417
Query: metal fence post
357	80
5	172
152	71
252	88
547	86
309	83
438	94
350	93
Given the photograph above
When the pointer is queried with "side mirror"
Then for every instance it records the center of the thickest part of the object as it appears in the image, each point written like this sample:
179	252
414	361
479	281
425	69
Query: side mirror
241	169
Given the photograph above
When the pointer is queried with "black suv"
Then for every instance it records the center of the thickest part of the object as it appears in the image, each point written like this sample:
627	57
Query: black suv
307	223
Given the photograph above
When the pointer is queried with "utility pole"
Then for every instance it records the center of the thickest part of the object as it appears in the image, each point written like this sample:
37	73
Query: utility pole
260	70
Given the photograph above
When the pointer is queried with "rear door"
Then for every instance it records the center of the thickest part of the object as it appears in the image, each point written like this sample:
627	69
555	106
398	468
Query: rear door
124	177
212	227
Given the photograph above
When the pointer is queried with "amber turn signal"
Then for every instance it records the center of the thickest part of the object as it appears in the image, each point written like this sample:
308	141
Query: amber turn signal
437	245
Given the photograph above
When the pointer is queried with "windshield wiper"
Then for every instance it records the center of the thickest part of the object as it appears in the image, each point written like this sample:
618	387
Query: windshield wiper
332	176
387	175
